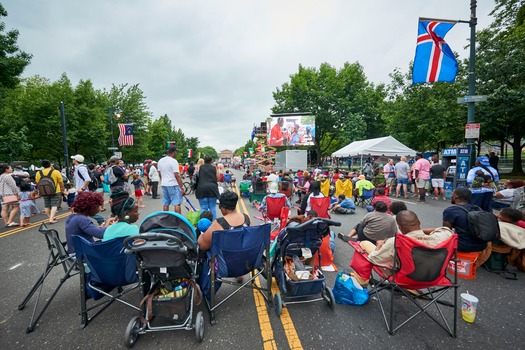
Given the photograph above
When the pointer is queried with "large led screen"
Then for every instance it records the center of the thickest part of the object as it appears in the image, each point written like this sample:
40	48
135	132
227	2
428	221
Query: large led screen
291	130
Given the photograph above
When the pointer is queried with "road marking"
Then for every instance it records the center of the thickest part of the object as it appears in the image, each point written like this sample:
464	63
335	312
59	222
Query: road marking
266	330
31	225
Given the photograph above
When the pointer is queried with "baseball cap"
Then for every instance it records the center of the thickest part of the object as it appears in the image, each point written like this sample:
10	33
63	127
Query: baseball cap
171	149
483	160
79	158
361	177
114	158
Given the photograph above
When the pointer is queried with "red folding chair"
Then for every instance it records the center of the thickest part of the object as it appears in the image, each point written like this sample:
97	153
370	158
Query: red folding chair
321	205
420	274
276	209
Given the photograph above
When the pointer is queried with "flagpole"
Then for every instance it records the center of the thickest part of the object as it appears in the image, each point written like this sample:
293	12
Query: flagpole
471	116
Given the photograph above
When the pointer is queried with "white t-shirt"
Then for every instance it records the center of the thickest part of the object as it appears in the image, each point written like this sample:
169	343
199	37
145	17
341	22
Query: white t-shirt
167	167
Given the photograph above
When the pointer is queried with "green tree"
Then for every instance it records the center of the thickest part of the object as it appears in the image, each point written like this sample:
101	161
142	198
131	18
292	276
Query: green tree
208	151
12	60
499	63
345	104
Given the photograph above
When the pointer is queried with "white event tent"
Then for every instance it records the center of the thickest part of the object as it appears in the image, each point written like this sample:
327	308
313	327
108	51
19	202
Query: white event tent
381	146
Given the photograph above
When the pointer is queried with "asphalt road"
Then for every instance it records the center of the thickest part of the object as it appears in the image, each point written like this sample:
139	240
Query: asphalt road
243	322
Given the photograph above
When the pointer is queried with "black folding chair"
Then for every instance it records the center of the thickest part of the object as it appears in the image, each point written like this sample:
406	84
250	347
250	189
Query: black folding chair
58	256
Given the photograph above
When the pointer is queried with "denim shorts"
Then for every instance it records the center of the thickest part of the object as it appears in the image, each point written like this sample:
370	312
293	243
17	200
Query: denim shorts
402	181
171	195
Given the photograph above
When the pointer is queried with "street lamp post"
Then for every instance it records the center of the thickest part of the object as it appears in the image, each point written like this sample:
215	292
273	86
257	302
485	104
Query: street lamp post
112	112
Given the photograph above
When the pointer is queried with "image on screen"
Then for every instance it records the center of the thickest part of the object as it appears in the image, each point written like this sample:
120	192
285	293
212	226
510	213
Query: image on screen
291	130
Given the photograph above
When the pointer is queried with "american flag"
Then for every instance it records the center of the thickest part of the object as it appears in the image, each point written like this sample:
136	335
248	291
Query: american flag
126	135
434	60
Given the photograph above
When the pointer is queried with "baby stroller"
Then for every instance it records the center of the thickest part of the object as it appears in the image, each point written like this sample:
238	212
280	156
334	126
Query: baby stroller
167	254
299	281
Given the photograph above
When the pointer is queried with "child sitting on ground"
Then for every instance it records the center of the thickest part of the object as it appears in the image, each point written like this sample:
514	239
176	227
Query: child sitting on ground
343	205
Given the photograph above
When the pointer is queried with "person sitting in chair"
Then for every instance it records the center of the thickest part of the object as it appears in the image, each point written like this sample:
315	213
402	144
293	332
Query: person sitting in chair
360	185
230	219
375	226
273	189
382	253
85	204
126	212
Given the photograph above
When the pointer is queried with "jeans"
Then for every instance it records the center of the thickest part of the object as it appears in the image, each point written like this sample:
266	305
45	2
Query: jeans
210	204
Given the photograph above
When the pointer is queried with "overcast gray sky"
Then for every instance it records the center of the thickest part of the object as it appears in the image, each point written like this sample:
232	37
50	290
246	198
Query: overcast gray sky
212	65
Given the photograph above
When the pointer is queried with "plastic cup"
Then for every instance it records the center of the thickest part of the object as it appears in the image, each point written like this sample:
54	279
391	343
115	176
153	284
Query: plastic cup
469	305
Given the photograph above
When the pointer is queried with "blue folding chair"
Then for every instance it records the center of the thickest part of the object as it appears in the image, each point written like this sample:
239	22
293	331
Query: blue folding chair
103	266
366	198
235	253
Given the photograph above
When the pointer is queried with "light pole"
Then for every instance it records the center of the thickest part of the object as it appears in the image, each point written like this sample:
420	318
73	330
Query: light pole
112	112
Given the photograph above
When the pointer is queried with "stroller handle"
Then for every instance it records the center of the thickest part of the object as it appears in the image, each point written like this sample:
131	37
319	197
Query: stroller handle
309	223
169	242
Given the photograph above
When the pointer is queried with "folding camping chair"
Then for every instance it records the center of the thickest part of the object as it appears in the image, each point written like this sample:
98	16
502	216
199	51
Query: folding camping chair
108	268
420	274
286	187
276	209
235	253
259	191
321	205
58	256
366	198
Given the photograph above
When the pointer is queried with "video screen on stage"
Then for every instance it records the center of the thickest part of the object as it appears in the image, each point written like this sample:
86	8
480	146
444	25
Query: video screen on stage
291	130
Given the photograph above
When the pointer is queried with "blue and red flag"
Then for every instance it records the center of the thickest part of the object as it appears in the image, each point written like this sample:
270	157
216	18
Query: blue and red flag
434	59
126	135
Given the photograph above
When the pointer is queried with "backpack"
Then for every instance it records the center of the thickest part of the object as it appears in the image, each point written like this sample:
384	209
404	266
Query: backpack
482	224
94	184
109	177
46	185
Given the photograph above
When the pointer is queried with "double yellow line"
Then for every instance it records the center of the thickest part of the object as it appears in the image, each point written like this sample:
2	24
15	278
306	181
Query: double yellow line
31	225
262	312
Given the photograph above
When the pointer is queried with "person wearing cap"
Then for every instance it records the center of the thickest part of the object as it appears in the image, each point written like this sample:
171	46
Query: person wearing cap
362	184
122	177
171	182
482	164
153	175
273	192
81	174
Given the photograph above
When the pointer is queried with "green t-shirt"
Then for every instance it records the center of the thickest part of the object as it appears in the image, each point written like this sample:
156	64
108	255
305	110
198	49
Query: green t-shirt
120	229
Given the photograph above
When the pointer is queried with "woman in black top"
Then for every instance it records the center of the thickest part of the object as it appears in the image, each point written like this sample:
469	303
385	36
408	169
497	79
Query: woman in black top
207	188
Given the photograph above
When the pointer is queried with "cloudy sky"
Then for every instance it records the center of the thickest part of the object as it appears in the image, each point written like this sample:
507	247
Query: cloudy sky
212	65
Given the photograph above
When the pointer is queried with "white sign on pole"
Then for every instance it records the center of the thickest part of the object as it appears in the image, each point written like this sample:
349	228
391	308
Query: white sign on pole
118	154
472	131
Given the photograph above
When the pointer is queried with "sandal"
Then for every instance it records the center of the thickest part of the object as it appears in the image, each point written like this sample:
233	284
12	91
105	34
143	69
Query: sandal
13	224
53	222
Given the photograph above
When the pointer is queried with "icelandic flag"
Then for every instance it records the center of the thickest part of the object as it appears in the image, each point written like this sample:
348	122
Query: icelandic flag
126	135
434	59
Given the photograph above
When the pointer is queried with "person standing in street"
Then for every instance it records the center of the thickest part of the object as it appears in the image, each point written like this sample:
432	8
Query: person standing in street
438	173
401	170
422	175
154	178
51	200
171	182
81	174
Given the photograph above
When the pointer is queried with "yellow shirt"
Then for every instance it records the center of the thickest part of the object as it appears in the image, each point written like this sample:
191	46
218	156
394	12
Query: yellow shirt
56	176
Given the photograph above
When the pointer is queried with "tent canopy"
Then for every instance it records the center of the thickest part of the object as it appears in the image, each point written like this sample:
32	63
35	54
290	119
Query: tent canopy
382	146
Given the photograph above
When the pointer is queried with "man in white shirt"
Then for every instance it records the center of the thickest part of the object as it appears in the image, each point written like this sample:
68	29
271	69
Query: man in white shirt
170	180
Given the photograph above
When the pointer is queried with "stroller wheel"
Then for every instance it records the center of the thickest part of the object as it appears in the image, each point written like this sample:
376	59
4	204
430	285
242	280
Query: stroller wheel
199	326
329	297
132	332
277	304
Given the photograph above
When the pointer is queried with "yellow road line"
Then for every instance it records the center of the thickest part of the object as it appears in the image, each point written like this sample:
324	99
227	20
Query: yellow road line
289	329
31	225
